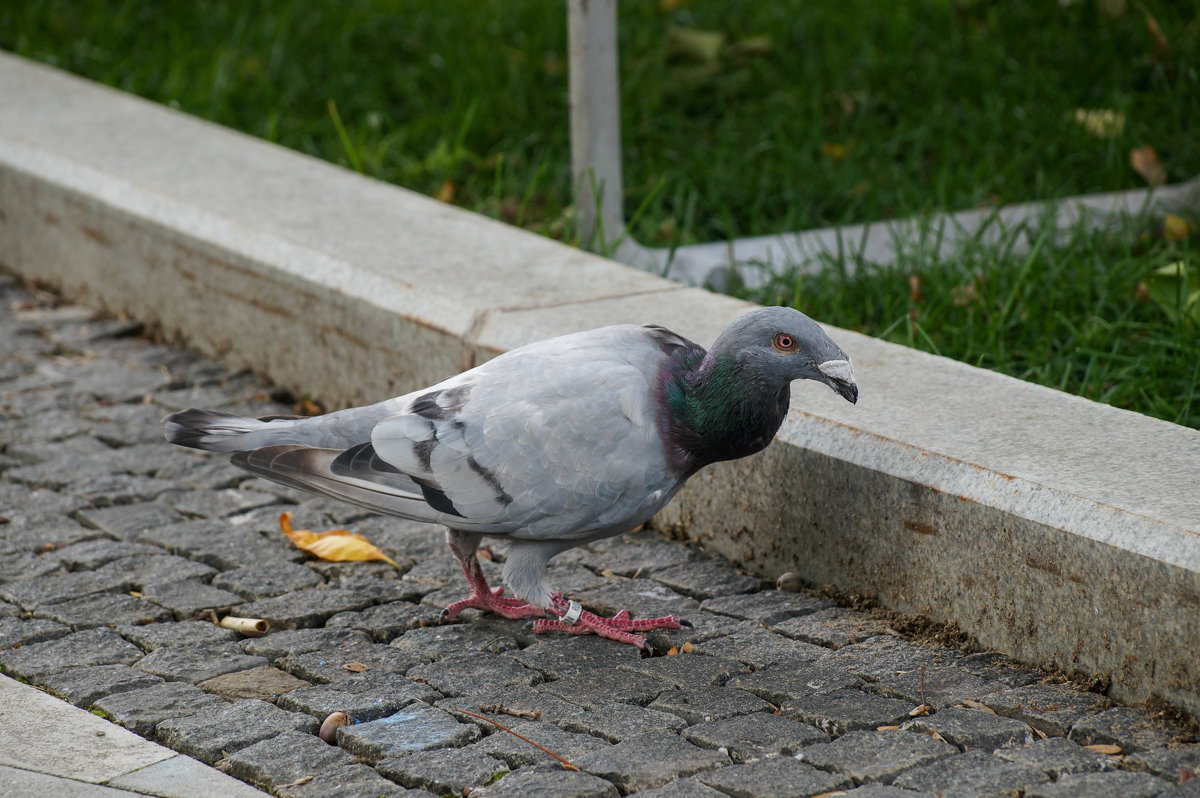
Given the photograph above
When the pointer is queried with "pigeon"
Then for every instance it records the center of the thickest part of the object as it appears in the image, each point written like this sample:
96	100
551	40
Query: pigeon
552	445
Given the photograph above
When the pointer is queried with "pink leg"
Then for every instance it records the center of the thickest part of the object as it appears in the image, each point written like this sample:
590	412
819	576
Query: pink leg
619	627
482	596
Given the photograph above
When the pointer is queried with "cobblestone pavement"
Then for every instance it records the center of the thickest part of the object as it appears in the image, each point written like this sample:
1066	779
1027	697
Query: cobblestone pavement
112	542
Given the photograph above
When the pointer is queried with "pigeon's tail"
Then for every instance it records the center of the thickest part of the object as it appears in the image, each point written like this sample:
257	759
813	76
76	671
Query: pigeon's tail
223	432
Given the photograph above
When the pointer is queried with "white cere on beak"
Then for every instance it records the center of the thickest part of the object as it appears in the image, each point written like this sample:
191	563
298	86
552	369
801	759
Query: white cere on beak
837	370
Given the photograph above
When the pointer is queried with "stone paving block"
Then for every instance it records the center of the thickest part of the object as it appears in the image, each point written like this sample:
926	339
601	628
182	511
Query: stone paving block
432	643
144	572
208	734
632	554
85	685
472	674
517	753
572	578
501	703
47	535
884	791
88	555
23	631
144	458
1101	785
1166	763
343	662
382	622
834	628
786	681
748	737
176	633
199	503
441	570
649	760
703	626
706	704
705	579
285	759
365	696
199	662
142	710
765	607
751	644
1052	709
222	544
417	727
264	581
379	590
23	565
1188	789
546	781
681	788
996	667
349	781
445	771
921	674
686	670
556	657
127	521
842	711
279	644
777	777
187	598
113	489
264	683
621	721
601	687
1058	756
974	773
91	647
9	610
104	609
973	729
30	594
303	609
874	755
1132	729
644	598
55	473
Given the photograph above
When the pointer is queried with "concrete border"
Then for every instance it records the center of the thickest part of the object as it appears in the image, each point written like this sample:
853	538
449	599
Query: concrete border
1060	530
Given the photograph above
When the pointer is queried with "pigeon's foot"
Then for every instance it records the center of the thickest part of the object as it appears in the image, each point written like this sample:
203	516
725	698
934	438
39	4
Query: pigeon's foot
577	621
491	600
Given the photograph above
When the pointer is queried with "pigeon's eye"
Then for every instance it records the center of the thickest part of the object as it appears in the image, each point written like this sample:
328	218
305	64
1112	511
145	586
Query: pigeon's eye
785	343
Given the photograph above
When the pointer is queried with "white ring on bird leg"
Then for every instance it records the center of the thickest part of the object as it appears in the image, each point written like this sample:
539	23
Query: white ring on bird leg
573	612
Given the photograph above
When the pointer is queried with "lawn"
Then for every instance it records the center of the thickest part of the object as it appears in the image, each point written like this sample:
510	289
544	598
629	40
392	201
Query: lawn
742	118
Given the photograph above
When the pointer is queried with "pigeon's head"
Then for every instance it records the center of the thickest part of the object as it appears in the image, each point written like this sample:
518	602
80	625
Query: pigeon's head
780	345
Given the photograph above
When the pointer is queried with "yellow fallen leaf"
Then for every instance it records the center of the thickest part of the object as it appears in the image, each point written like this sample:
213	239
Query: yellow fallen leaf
1100	748
1174	228
1103	123
1144	161
835	152
356	667
336	545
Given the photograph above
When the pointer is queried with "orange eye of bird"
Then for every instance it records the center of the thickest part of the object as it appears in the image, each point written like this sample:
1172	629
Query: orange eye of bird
785	343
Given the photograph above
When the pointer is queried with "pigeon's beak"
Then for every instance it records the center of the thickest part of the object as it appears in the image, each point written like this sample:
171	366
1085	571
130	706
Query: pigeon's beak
839	375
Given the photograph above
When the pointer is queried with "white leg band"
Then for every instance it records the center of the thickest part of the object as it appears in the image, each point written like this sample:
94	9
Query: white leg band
573	612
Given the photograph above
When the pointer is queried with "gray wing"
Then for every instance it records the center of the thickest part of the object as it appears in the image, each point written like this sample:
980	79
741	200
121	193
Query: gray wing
553	441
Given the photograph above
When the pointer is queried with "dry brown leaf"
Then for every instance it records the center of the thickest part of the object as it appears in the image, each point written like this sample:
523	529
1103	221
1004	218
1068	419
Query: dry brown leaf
1102	748
336	545
446	192
673	651
1175	228
356	667
686	648
920	711
887	728
1041	734
1186	775
1144	161
971	703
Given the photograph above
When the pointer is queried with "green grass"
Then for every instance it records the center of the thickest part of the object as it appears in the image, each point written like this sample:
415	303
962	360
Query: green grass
811	112
1071	313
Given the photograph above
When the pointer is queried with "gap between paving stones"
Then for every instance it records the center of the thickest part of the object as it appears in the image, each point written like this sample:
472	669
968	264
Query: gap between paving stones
781	693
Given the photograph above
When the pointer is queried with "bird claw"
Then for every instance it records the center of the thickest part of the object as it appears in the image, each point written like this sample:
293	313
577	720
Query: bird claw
508	607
